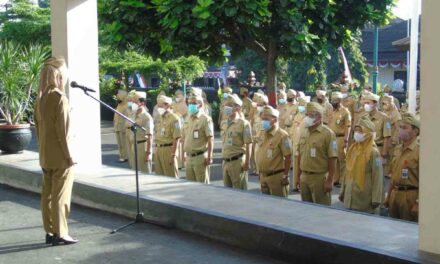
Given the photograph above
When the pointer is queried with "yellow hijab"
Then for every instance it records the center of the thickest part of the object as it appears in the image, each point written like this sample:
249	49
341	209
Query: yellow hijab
359	153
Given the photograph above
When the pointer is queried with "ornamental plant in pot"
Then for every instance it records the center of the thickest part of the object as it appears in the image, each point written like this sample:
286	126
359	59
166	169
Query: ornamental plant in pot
19	74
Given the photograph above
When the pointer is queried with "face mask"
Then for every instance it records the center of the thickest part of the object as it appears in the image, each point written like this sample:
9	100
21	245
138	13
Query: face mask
301	109
308	121
161	110
368	107
386	94
266	125
320	100
228	110
282	101
225	95
344	95
404	135
359	137
193	109
335	105
290	100
134	107
178	99
259	109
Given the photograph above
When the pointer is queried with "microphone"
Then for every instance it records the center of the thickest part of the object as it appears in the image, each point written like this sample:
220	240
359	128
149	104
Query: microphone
84	88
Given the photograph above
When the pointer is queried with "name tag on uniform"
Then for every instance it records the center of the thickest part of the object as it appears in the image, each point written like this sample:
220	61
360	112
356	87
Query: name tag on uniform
405	174
162	131
269	153
195	134
313	152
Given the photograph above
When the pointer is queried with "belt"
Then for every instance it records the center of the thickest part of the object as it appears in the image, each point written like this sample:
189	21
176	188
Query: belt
164	145
142	141
340	135
405	188
233	158
272	173
311	172
197	153
288	126
379	145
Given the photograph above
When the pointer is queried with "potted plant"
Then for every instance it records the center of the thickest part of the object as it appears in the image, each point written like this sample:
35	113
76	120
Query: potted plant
19	74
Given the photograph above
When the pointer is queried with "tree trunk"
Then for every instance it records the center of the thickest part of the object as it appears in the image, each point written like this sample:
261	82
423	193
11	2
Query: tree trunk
271	73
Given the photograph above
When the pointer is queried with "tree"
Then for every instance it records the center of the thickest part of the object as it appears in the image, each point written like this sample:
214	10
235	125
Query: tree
272	29
26	23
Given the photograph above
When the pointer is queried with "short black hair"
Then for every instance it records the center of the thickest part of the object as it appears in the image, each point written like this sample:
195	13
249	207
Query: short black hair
142	100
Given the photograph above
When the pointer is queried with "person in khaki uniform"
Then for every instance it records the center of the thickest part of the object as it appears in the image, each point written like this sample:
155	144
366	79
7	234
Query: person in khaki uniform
317	155
180	108
274	155
144	138
363	187
119	125
130	112
403	194
247	102
388	92
291	109
296	131
322	99
198	138
237	145
340	124
207	108
383	127
282	108
391	111
227	91
52	120
167	134
350	103
256	126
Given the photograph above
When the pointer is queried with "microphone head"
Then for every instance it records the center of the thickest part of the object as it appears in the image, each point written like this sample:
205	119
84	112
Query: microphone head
74	84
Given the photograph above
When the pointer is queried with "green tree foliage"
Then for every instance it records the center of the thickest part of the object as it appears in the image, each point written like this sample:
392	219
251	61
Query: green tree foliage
272	29
23	22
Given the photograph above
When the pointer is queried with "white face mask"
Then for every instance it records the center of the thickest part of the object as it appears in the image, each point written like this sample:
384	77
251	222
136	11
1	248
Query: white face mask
359	137
344	95
368	107
259	109
308	121
161	110
134	107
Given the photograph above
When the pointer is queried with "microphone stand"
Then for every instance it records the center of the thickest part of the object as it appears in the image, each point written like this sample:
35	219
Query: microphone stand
139	215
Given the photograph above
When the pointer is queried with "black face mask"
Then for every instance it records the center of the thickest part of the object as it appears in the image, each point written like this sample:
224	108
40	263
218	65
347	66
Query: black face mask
119	101
320	100
289	100
335	105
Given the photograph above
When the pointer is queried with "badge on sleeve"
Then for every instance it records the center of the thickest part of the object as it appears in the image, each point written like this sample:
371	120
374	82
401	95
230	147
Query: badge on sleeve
379	162
247	131
388	125
334	145
177	125
287	144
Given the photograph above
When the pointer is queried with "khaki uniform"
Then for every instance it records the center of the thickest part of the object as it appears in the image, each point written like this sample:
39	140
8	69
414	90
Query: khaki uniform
404	173
235	135
339	121
144	119
129	139
296	131
368	199
197	130
256	129
181	110
247	107
119	125
52	127
395	118
273	147
166	130
350	103
315	148
287	113
328	108
383	127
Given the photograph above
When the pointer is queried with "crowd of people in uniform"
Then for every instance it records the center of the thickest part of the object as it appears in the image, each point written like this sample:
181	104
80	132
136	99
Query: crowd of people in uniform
366	146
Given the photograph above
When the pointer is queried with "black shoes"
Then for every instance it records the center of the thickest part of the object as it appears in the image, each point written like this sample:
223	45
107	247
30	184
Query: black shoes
56	241
49	239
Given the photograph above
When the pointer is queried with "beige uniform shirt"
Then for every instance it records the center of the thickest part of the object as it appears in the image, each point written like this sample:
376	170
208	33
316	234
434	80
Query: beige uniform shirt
119	122
362	200
382	124
316	147
235	135
395	117
273	147
297	128
52	120
197	130
289	115
350	103
405	165
339	120
180	108
167	129
144	119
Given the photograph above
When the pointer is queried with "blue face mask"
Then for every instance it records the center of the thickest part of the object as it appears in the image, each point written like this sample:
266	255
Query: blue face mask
301	109
266	124
227	110
386	94
225	95
193	109
282	101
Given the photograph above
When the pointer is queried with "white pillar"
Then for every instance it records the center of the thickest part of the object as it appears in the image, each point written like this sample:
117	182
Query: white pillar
75	36
429	218
414	50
